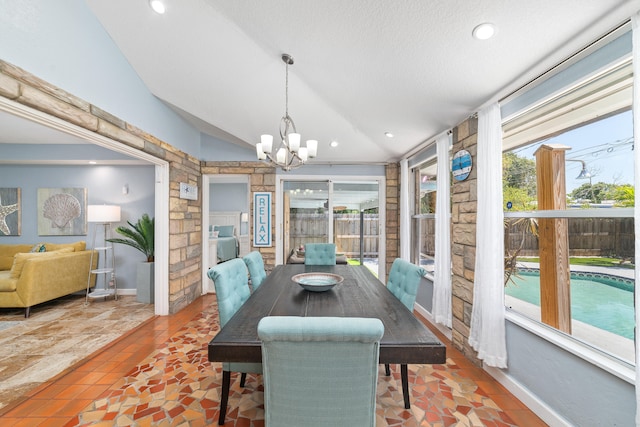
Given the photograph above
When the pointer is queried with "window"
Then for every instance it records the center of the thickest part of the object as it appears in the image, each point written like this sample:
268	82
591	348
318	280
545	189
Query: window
424	222
568	187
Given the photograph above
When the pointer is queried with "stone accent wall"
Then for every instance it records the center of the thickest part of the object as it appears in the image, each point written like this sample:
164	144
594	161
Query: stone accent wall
263	179
464	201
392	172
185	216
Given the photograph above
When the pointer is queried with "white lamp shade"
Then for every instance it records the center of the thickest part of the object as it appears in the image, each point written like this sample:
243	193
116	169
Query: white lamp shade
244	217
281	155
267	143
312	147
303	154
260	152
103	213
294	141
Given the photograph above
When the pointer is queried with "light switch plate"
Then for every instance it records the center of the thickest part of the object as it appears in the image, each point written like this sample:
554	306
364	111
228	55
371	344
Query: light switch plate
188	191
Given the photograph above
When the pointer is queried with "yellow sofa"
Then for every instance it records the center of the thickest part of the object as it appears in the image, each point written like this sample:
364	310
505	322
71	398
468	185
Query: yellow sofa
30	278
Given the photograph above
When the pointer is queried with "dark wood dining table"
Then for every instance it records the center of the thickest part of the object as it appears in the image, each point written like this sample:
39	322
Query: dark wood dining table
406	339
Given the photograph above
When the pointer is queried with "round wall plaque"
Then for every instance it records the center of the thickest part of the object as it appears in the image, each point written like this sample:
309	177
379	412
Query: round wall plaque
461	165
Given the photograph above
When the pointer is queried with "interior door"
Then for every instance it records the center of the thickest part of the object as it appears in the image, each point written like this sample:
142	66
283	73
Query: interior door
286	204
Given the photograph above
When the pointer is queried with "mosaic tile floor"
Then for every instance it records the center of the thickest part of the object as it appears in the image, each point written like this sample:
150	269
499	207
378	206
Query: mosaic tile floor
57	335
176	386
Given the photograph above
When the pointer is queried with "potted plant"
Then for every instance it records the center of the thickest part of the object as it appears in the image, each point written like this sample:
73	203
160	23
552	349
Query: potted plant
141	237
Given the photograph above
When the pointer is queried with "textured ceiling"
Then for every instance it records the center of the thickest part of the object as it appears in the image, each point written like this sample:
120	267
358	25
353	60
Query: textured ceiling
362	68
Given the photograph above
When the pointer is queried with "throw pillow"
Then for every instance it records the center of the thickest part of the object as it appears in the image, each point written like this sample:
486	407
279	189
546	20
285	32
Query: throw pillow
224	230
40	247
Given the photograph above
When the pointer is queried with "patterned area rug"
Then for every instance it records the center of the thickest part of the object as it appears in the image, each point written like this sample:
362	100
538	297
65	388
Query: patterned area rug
57	335
176	385
7	325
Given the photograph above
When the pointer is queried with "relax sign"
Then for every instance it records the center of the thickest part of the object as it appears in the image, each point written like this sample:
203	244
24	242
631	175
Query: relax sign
261	219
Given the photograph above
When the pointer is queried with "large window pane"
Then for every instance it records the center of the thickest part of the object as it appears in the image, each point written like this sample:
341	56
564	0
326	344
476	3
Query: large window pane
568	190
601	279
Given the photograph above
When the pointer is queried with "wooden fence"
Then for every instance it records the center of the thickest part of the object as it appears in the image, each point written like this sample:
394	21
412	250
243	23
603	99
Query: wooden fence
610	237
311	228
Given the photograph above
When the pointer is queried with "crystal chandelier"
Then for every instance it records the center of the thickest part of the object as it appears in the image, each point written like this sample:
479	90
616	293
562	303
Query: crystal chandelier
289	154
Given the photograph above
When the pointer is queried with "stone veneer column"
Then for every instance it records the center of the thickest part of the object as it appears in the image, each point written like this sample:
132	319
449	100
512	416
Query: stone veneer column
392	227
185	216
262	178
464	202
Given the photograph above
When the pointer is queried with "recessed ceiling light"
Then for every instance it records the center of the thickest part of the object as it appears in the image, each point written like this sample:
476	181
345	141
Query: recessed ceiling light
388	134
484	31
334	143
157	6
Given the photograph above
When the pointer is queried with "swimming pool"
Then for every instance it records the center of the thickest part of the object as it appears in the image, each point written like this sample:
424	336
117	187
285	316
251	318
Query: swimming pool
600	300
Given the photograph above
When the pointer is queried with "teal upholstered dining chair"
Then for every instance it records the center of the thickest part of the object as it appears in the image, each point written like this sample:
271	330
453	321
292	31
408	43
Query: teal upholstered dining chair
320	254
232	290
320	371
255	265
404	280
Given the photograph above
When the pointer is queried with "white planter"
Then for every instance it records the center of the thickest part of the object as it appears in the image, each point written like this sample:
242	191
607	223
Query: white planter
145	282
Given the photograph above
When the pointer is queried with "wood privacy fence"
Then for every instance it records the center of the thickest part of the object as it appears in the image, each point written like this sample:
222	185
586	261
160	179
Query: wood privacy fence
311	228
610	237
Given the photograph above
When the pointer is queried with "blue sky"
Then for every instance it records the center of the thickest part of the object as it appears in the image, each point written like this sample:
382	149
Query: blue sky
605	146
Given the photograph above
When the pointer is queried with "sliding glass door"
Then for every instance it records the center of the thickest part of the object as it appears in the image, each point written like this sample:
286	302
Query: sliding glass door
343	212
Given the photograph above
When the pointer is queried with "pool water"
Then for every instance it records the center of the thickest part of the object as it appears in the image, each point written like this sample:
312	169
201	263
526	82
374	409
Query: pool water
598	301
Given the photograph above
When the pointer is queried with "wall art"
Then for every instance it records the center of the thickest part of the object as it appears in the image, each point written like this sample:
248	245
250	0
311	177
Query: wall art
62	211
10	212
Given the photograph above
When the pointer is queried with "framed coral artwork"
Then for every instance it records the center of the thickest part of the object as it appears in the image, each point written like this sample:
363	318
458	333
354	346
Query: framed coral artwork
10	211
62	211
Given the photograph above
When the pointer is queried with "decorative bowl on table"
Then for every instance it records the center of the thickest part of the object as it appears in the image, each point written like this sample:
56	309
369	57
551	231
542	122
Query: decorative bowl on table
317	282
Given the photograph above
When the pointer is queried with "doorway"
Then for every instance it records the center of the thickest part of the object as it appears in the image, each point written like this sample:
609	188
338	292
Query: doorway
347	212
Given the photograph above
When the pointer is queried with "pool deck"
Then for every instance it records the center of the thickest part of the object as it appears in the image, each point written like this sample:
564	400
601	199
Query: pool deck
627	273
609	342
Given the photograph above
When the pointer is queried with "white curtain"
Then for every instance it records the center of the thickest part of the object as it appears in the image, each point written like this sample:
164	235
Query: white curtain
487	335
405	212
441	309
635	25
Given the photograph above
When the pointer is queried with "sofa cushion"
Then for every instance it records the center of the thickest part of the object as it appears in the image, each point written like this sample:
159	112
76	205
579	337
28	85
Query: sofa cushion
8	251
21	258
76	246
7	284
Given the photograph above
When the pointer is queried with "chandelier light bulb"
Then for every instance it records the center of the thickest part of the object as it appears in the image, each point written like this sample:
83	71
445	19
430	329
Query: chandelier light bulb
303	153
267	143
294	142
260	152
312	147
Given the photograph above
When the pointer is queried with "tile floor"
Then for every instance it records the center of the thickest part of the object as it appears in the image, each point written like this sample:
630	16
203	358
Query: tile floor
158	375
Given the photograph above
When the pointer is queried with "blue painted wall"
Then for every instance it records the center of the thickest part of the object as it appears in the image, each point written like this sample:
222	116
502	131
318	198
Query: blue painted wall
104	186
224	197
63	43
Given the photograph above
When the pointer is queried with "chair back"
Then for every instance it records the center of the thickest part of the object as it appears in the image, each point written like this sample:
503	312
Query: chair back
232	287
404	280
255	265
320	254
320	371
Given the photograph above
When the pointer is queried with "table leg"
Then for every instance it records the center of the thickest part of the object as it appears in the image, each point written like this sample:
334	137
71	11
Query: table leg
405	385
224	399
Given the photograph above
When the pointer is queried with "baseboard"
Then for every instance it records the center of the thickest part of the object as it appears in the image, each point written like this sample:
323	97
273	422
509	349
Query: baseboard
537	406
127	292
